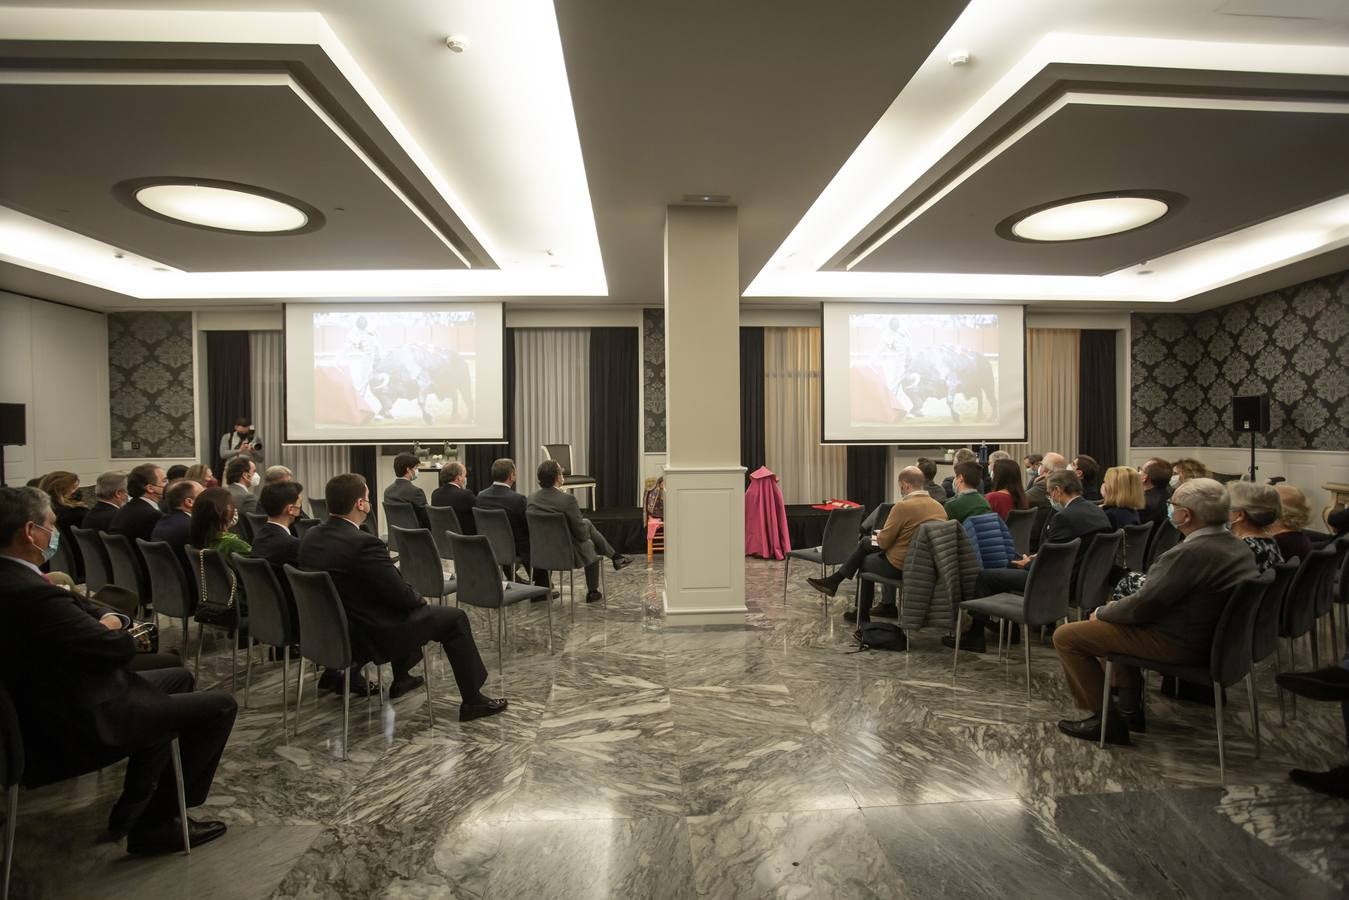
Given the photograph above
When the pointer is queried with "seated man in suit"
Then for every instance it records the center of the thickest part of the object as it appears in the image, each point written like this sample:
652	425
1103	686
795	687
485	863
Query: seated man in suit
885	556
110	495
501	494
587	542
241	477
930	486
1074	517
402	490
174	528
454	493
81	707
139	515
968	501
1037	494
1156	488
388	620
1171	619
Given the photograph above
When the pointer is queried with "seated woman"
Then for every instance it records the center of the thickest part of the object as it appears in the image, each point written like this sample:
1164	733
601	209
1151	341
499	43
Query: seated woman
1294	515
1008	493
1255	507
1184	469
1122	496
202	475
213	515
63	487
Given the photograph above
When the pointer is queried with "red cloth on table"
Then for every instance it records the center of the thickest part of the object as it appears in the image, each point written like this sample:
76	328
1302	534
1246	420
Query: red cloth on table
765	517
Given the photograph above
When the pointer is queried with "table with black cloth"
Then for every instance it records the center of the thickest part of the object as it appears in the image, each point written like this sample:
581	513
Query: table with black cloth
624	529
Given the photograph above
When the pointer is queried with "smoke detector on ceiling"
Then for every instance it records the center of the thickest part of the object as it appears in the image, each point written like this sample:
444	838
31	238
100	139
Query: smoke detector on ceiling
707	198
456	43
958	57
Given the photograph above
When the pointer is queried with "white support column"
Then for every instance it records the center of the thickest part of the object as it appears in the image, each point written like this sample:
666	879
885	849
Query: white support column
704	481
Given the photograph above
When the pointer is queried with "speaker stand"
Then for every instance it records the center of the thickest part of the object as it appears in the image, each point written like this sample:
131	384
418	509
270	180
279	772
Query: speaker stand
1252	456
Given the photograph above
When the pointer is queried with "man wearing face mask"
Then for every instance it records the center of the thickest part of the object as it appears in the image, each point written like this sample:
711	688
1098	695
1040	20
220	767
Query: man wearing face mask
241	478
111	495
1170	619
81	707
241	440
1073	517
176	525
1156	474
139	515
387	619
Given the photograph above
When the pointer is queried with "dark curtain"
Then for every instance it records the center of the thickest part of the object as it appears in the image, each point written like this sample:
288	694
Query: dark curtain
230	388
615	414
1096	433
753	444
364	459
479	457
866	475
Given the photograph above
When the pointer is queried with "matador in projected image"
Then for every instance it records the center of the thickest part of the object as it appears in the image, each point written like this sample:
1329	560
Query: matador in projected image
937	369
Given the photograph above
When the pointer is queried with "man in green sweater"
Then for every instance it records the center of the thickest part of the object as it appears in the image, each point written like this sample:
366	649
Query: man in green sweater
967	501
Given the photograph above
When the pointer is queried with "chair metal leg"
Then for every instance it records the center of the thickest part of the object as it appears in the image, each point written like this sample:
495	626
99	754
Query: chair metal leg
1218	717
549	604
426	679
299	695
285	689
1278	689
786	567
248	669
185	637
201	638
234	663
182	794
1255	711
346	709
571	590
1105	700
1316	644
1025	642
501	639
11	826
955	654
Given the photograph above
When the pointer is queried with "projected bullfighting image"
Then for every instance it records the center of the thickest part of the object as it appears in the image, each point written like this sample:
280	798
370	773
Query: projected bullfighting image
923	369
394	368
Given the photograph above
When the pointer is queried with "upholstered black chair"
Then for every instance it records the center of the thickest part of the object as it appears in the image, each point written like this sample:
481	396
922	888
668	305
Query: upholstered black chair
836	545
1021	523
495	525
401	515
480	584
216	584
443	519
1093	587
269	622
170	593
419	563
126	568
550	548
318	508
1136	538
97	570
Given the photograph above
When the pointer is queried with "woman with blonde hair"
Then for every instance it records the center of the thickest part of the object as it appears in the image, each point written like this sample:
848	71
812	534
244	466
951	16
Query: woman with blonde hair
202	475
1254	508
1294	516
1121	495
1185	469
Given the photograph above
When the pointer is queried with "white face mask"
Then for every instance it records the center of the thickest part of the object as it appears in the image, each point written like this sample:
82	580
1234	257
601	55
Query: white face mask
254	479
1174	482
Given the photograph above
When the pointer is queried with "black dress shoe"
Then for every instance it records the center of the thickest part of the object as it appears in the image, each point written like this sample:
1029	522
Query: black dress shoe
1134	719
1324	684
824	585
405	684
359	686
123	816
850	615
620	561
1116	732
167	836
488	707
1335	782
972	640
594	596
887	610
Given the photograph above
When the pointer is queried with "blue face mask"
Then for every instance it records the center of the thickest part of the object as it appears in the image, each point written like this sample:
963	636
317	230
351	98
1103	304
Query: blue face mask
52	545
1170	509
1057	506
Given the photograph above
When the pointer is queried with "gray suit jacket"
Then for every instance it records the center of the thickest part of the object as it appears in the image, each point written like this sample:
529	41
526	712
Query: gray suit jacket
1187	588
400	490
556	501
244	500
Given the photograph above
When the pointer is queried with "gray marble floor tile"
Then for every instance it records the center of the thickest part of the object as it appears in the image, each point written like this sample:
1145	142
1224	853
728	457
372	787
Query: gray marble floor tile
607	716
594	858
459	866
727	667
599	780
762	773
347	862
827	853
612	670
925	766
1310	829
737	710
1041	764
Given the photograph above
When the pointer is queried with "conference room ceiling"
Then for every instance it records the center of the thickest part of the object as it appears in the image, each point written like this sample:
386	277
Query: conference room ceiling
872	150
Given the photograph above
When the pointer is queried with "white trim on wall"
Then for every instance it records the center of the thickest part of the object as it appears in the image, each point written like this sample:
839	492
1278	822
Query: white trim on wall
239	320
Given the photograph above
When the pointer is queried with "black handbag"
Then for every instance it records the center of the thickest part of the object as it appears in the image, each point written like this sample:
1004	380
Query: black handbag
210	612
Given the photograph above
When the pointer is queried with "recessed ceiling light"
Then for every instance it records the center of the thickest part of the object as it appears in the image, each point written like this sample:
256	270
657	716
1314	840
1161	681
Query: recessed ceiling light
219	205
1081	218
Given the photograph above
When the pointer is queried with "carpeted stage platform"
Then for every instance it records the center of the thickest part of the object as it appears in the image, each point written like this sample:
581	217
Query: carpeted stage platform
622	527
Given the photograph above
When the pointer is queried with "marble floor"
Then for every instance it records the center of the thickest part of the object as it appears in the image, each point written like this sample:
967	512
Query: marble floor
641	760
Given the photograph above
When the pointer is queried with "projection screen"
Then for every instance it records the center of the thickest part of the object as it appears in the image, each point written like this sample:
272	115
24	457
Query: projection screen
898	373
384	373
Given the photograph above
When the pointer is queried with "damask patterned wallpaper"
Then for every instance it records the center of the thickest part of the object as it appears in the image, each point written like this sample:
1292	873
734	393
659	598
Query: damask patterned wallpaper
1289	344
653	379
150	385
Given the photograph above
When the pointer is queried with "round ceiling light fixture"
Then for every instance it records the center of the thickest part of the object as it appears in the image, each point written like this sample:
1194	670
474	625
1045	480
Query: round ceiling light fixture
1089	216
219	205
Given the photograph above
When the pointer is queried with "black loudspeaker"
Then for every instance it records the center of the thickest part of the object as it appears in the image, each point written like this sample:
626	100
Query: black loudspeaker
1251	414
12	430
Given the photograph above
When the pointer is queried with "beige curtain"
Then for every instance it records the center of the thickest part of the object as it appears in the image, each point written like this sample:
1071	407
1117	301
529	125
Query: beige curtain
552	398
1051	392
793	401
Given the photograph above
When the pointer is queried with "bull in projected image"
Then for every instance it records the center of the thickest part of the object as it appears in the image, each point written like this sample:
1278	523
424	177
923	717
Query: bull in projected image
394	368
929	370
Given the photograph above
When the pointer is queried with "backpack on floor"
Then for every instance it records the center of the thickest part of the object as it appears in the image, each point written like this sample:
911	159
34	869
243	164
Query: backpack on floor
881	636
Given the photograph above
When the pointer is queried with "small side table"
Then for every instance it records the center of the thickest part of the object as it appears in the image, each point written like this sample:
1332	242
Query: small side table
1339	493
